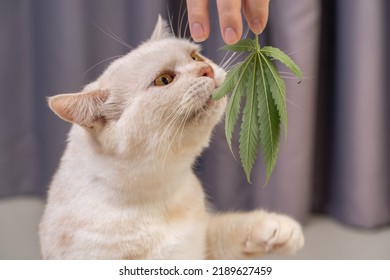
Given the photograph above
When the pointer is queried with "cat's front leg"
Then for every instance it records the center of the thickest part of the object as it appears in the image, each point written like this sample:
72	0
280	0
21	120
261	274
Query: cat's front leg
251	235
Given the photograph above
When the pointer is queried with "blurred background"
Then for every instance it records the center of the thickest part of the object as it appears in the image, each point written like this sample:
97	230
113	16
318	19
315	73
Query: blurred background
332	173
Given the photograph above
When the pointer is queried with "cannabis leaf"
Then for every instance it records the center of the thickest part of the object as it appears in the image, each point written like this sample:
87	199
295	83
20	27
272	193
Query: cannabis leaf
258	80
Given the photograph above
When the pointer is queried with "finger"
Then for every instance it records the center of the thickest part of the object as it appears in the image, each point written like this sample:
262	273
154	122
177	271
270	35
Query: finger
256	14
230	20
198	18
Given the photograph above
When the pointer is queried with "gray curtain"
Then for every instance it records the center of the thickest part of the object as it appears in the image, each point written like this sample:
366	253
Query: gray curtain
336	157
360	168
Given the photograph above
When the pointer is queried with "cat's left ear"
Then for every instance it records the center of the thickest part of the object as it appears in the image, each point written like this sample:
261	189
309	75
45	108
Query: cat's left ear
161	30
84	108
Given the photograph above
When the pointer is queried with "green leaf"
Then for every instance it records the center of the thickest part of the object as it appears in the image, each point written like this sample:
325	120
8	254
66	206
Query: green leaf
269	121
233	107
228	84
283	58
249	134
265	108
244	45
277	88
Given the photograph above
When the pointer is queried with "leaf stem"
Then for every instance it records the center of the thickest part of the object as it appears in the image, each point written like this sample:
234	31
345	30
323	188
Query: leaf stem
257	43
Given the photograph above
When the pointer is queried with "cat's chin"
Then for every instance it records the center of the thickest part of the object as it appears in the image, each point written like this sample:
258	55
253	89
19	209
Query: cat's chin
211	109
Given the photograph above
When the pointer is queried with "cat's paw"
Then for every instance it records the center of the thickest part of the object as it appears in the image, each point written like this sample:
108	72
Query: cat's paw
274	233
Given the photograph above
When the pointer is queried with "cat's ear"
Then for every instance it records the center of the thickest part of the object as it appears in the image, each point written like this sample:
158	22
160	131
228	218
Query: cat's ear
83	108
161	30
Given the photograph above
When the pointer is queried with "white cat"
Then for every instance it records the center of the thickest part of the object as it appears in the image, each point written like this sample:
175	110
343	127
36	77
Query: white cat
125	188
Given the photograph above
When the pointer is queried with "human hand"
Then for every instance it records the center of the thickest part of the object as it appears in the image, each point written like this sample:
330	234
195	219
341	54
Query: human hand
229	12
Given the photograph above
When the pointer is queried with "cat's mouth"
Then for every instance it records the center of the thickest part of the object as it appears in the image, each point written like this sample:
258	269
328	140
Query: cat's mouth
206	107
205	110
208	104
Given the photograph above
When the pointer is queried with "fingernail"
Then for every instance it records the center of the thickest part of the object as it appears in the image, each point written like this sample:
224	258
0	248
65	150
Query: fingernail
197	32
230	35
256	26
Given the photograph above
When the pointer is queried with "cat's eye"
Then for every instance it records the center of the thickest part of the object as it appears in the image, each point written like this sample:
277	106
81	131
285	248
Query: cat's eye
196	57
164	79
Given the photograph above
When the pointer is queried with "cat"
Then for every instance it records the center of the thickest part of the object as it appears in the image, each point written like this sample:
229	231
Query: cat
125	187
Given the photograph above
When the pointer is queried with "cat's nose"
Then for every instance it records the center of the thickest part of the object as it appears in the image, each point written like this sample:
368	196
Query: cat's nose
206	71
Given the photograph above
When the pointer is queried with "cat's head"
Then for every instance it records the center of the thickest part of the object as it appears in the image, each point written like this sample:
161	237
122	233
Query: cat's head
156	99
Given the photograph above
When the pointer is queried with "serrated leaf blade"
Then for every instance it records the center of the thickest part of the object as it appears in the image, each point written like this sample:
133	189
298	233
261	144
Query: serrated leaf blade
269	122
249	134
228	84
283	58
233	107
277	88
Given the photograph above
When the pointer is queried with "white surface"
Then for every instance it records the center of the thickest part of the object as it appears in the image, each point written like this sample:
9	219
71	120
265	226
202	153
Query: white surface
19	219
325	238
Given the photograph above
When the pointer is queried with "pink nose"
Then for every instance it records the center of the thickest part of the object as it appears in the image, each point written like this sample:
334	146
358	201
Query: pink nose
206	71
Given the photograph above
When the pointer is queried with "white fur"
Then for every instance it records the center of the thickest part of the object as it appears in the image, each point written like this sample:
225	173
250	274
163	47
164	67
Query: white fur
125	188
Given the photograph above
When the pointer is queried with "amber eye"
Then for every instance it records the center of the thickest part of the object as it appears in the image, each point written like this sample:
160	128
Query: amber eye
164	79
196	57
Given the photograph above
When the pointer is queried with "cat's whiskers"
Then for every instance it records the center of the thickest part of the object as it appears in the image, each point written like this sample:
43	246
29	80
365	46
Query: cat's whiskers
104	60
186	28
205	111
226	63
291	76
119	39
231	61
173	117
292	103
169	146
169	138
170	20
161	140
224	59
115	37
181	20
185	119
180	116
168	118
308	44
172	120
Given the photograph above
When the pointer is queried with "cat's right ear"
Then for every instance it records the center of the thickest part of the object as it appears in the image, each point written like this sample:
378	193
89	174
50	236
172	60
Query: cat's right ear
161	30
83	108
